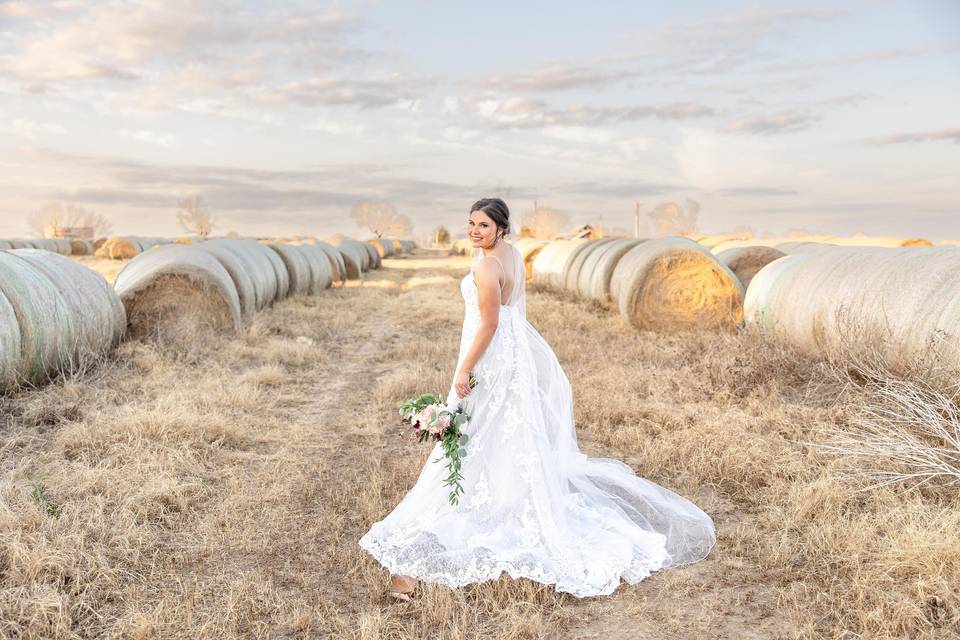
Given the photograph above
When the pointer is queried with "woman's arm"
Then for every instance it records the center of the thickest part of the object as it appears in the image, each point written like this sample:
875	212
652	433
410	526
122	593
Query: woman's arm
487	275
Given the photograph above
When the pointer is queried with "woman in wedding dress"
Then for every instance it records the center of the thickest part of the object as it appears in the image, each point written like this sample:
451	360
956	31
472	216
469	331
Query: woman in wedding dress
533	504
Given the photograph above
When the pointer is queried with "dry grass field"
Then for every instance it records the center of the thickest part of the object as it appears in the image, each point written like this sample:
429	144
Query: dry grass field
219	491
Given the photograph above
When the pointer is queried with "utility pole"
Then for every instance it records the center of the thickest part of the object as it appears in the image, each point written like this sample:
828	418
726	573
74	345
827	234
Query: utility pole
636	228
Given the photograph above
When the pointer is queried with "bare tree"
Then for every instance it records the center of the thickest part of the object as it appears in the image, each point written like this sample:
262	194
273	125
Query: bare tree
545	222
382	219
61	215
669	219
194	217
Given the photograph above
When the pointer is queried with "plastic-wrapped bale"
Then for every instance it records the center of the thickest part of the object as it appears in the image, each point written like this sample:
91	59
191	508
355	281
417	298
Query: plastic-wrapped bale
374	256
46	326
5	244
98	315
528	248
298	268
19	243
408	245
384	248
241	272
596	275
397	247
64	246
746	261
9	344
279	269
321	275
897	302
550	265
335	257
579	257
257	262
80	247
675	284
355	249
177	294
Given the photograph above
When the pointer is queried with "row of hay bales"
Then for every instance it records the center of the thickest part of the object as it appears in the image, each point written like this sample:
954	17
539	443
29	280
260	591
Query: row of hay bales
664	284
178	290
56	315
900	305
56	245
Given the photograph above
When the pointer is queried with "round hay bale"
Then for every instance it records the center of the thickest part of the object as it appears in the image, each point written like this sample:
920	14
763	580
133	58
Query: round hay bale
259	261
64	246
529	248
47	328
321	275
279	270
79	247
560	260
10	350
374	256
746	261
240	271
899	303
352	248
384	248
297	266
97	313
98	242
578	259
397	247
545	264
710	241
19	243
119	248
337	265
675	284
5	244
178	294
598	282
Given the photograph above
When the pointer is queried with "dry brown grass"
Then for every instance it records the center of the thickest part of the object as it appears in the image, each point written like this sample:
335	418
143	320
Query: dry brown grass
219	492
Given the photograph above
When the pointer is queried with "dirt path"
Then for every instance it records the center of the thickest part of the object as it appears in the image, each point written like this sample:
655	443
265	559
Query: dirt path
699	601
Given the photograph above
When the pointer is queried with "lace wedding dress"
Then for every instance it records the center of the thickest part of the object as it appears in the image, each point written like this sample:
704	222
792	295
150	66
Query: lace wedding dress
533	504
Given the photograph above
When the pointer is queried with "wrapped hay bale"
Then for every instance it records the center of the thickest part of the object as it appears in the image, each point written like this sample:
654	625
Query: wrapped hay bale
529	248
80	247
549	262
64	246
356	250
97	314
259	263
898	303
279	270
5	244
580	256
374	256
177	294
9	344
746	261
675	284
297	266
337	264
241	272
560	260
321	275
397	247
385	249
19	243
597	272
47	329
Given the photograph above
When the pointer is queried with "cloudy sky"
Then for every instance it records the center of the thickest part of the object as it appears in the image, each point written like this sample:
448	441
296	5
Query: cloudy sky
284	114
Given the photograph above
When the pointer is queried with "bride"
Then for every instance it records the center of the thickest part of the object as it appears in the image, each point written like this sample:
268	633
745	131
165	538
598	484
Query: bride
533	504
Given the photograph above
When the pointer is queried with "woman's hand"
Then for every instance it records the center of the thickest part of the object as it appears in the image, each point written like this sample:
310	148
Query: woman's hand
461	383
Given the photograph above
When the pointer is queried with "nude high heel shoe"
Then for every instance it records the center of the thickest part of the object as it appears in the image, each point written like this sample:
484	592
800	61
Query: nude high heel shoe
402	587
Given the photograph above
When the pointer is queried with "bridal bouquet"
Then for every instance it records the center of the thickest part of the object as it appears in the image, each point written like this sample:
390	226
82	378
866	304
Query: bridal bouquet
430	418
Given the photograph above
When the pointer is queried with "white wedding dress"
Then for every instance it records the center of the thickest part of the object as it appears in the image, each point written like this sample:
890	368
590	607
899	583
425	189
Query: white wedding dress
533	504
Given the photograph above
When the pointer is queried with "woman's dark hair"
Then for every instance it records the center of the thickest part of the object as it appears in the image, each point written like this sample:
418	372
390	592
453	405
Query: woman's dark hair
497	210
